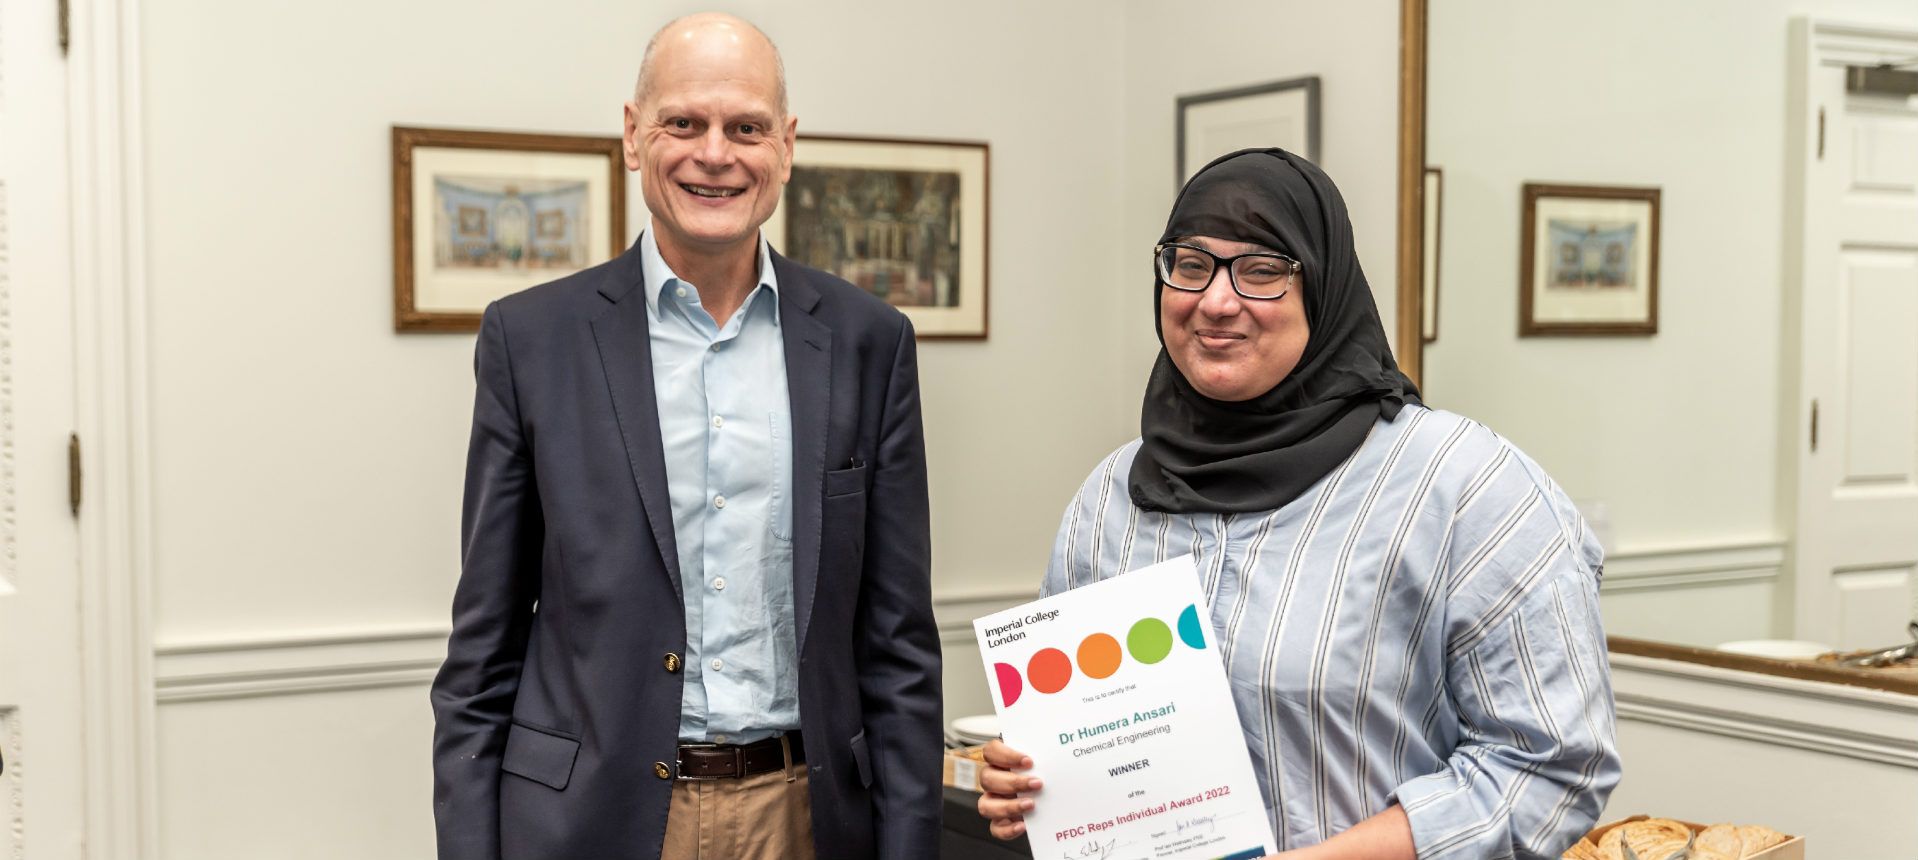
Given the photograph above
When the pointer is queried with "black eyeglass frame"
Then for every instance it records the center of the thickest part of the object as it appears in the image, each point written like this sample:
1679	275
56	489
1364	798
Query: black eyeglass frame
1218	262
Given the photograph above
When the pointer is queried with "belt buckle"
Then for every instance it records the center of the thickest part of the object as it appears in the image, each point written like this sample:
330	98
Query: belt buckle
739	764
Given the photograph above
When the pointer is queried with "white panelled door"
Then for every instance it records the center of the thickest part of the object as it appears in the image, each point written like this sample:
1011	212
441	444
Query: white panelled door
41	788
1855	559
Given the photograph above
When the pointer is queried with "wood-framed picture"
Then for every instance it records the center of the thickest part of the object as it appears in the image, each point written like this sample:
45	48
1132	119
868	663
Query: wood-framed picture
1589	264
906	220
1284	114
1429	281
480	214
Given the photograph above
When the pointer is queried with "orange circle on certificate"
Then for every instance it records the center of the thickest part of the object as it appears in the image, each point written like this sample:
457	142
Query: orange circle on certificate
1099	656
1049	670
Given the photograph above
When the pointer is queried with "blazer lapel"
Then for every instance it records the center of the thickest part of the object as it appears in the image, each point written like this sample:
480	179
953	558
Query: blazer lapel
625	353
809	388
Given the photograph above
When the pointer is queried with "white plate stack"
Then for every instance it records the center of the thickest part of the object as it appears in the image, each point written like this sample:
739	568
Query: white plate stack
973	731
1777	649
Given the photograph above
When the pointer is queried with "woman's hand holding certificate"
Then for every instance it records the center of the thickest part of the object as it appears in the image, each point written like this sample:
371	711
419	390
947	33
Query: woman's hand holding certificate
1006	801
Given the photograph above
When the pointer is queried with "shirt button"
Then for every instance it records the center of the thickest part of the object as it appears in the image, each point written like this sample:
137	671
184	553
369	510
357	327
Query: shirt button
718	422
662	771
672	662
719	501
717	346
719	583
719	739
681	292
718	664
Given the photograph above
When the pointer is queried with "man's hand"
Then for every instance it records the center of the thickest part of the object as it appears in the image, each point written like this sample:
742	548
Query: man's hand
1001	803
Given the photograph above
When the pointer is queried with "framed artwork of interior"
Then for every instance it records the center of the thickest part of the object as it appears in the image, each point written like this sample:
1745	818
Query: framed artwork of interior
480	214
1589	261
1284	114
1429	282
906	220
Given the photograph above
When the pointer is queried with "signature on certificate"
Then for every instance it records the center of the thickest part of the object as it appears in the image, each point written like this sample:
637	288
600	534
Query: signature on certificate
1094	850
1205	822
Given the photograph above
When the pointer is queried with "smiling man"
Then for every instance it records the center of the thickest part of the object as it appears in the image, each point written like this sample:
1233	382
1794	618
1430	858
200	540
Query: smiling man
694	615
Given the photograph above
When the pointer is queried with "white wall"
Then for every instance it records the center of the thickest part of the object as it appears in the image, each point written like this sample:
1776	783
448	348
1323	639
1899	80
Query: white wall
1675	433
297	777
307	460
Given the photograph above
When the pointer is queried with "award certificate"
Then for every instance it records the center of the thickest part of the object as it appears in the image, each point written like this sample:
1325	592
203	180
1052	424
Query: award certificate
1117	693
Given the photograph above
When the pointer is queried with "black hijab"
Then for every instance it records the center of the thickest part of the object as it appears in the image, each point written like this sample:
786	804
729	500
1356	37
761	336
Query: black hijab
1211	456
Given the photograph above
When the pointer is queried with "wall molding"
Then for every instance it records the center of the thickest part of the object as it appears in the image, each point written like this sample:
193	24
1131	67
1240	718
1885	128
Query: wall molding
1694	566
253	664
1758	728
246	665
1830	719
9	544
13	785
955	612
105	122
246	642
250	665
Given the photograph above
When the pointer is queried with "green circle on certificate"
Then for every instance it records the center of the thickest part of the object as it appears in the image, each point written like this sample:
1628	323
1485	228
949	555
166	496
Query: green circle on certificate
1149	641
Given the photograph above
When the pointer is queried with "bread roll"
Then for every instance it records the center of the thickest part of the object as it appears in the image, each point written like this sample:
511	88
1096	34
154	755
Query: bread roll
1583	849
1722	839
1651	839
1758	838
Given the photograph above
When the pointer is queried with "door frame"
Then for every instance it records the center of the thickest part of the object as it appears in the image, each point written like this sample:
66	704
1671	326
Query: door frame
1814	44
112	420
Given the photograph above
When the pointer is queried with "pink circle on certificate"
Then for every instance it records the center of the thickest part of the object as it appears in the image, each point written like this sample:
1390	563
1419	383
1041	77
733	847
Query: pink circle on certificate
1009	684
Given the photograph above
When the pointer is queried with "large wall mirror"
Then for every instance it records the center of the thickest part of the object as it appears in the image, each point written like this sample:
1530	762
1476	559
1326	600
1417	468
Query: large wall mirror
1672	253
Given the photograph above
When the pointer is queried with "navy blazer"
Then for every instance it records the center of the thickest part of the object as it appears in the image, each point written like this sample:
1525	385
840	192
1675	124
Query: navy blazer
559	700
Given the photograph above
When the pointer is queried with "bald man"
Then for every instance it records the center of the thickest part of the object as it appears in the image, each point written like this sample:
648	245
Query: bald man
694	615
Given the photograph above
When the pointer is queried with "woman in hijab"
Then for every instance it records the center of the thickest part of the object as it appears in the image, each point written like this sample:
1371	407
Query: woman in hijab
1407	606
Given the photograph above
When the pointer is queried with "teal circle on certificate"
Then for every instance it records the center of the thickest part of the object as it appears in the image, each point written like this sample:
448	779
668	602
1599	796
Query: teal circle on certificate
1189	630
1149	641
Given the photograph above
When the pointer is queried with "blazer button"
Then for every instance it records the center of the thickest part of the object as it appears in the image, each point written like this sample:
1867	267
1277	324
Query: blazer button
672	662
662	771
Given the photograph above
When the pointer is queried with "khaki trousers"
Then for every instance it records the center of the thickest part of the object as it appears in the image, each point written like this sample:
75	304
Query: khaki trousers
763	817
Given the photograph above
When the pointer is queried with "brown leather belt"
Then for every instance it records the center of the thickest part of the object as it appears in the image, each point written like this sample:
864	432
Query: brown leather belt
729	761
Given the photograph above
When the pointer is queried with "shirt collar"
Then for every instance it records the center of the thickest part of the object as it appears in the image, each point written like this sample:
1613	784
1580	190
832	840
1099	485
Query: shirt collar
660	277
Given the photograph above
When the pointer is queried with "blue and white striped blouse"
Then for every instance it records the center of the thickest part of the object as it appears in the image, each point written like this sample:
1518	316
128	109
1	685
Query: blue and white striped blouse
1420	626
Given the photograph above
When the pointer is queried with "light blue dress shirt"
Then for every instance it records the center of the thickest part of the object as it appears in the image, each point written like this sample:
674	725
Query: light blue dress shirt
724	422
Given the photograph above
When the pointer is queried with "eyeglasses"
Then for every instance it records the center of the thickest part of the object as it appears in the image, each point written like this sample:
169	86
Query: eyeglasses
1254	276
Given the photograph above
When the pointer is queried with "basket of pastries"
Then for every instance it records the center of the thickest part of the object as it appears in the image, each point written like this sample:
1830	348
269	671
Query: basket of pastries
1643	838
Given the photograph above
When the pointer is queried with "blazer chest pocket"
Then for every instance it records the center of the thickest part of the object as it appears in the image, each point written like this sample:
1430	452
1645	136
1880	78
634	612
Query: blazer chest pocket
846	482
540	756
